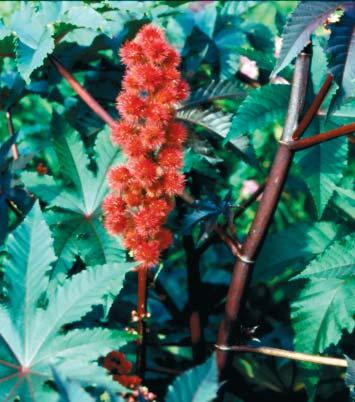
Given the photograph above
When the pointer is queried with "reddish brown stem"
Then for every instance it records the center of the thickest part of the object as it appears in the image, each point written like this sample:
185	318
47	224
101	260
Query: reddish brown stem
265	212
313	109
10	126
84	95
142	313
194	300
320	138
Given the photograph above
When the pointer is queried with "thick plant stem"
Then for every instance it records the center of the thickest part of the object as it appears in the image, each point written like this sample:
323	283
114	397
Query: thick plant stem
320	138
313	109
194	300
264	215
14	149
287	354
84	95
142	315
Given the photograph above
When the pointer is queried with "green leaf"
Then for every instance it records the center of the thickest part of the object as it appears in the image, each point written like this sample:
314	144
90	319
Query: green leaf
31	57
199	384
322	168
217	122
82	15
215	90
31	333
70	391
326	305
30	255
307	241
75	215
261	107
306	18
205	19
341	48
337	261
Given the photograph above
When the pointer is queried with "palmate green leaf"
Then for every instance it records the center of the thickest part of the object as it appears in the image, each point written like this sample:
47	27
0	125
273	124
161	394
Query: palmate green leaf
306	18
261	107
75	210
30	255
217	122
31	334
322	169
199	384
307	241
326	305
341	48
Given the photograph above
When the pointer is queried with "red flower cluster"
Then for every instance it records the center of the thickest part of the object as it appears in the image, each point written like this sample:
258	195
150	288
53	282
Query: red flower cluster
143	190
120	367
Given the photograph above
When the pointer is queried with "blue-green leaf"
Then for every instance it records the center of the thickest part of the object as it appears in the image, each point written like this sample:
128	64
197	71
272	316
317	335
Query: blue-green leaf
306	18
199	384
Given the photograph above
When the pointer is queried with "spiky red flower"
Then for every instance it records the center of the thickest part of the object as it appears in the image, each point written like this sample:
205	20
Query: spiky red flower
173	183
147	253
152	141
119	177
170	158
177	133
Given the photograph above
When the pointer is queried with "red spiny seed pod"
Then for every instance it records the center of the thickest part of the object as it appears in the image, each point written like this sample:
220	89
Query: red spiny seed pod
142	190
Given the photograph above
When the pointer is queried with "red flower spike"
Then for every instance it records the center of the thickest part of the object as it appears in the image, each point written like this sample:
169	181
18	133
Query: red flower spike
131	53
165	238
130	106
121	132
152	137
118	178
113	204
173	183
170	158
115	224
152	141
177	133
147	253
145	170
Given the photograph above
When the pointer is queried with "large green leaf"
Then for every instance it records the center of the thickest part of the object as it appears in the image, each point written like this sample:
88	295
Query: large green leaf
200	384
31	334
341	48
334	262
75	208
306	18
29	58
217	122
307	241
30	255
261	107
322	168
70	391
326	305
215	90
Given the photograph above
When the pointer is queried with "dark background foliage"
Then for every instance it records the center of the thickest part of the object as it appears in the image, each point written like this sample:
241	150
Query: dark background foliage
235	116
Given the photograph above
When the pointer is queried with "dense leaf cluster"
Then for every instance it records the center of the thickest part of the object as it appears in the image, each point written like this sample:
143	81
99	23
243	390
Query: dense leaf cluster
67	286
